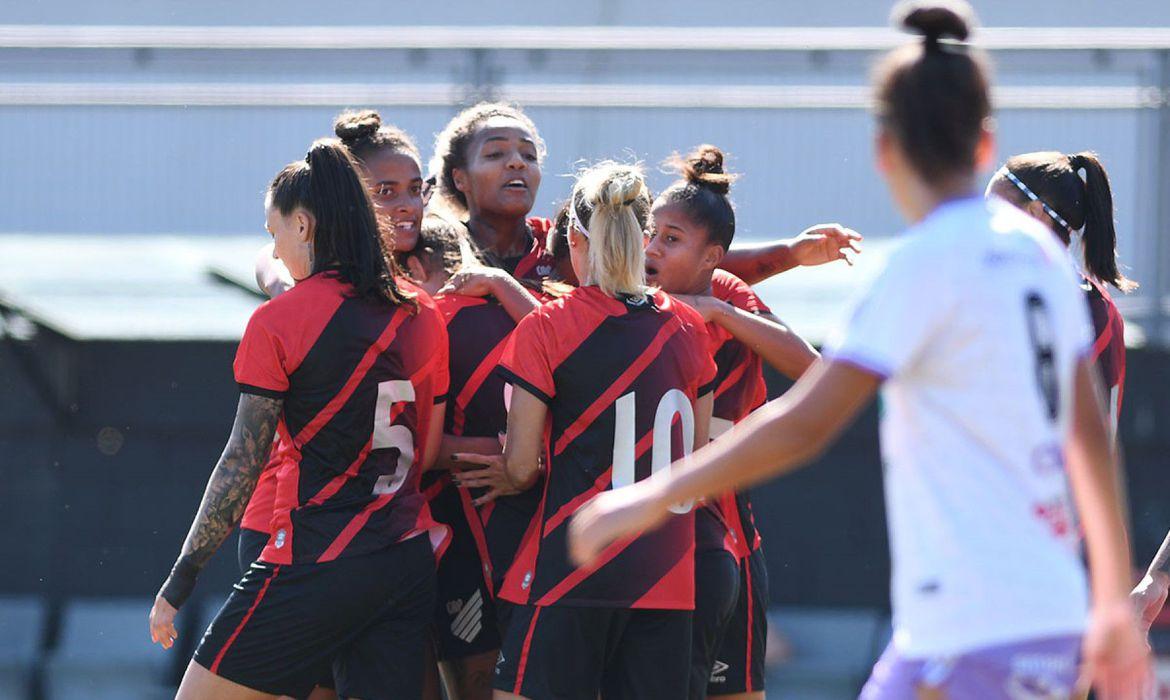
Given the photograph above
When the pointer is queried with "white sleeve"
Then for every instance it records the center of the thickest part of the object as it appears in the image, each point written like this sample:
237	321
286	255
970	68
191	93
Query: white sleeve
897	316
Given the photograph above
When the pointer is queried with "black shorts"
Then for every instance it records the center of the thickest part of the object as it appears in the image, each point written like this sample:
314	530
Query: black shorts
572	653
465	611
739	663
716	596
285	626
251	544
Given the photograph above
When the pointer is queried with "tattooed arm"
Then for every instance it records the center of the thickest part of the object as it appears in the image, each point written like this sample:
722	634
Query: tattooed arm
228	490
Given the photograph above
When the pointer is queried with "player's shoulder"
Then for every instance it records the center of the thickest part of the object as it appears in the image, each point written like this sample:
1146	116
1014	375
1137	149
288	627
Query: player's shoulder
687	315
724	282
315	295
725	286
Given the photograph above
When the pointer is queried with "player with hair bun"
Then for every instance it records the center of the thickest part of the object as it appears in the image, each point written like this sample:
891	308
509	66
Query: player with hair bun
692	228
349	367
611	382
989	592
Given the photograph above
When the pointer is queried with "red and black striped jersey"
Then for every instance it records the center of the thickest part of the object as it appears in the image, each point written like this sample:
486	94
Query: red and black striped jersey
739	390
1109	344
358	379
619	378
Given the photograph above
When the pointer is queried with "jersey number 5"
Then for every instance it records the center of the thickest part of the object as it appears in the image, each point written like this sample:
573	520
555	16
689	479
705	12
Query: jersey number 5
673	403
1041	335
386	435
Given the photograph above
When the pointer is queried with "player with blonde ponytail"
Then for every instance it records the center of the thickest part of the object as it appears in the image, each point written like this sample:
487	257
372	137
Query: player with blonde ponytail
611	381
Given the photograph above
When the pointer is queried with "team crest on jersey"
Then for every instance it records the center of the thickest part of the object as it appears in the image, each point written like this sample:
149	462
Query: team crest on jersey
719	672
468	622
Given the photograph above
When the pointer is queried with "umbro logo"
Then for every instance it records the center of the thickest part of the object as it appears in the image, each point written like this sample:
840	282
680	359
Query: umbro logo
469	622
718	672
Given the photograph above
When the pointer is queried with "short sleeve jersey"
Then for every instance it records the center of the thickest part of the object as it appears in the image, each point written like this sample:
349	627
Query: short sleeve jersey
977	324
1109	344
358	379
619	379
739	390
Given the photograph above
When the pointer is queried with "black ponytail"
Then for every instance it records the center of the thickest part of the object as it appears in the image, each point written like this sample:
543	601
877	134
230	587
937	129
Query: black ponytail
703	192
1083	204
1099	238
346	238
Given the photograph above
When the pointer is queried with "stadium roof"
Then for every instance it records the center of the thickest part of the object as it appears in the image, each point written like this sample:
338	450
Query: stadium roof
198	287
131	287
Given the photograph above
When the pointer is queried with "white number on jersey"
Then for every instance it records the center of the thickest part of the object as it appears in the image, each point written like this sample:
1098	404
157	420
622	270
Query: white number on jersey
673	403
387	435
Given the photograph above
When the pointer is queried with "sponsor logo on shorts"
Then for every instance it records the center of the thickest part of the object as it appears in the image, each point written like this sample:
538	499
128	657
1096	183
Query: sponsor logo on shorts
1038	676
499	661
719	672
468	623
527	580
280	537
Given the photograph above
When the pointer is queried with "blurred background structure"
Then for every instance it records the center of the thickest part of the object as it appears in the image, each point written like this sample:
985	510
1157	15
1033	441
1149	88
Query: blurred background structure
137	139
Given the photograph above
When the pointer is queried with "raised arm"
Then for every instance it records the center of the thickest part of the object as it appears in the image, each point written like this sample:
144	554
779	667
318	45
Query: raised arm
777	438
816	245
228	490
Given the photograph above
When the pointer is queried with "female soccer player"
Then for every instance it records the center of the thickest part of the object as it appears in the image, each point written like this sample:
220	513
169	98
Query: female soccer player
692	227
349	367
487	163
466	628
980	335
391	166
610	381
1048	186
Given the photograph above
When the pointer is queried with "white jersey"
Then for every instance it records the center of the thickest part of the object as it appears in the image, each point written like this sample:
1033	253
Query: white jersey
976	323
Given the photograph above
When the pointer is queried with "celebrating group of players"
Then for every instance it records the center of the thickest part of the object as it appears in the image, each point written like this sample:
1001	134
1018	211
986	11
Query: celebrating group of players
452	455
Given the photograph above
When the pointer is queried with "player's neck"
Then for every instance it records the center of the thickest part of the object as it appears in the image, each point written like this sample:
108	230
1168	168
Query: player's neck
503	235
923	198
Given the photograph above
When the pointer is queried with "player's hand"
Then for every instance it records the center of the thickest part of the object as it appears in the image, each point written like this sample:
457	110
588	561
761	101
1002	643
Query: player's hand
1149	597
612	515
1116	656
162	623
473	282
491	476
825	243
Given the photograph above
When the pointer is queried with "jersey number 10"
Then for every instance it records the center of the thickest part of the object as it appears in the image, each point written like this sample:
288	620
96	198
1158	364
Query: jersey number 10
625	440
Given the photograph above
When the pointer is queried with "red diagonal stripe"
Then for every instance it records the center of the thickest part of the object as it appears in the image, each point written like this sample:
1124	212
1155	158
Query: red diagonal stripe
584	572
610	395
247	616
338	481
377	348
731	379
354	526
474	382
601	484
